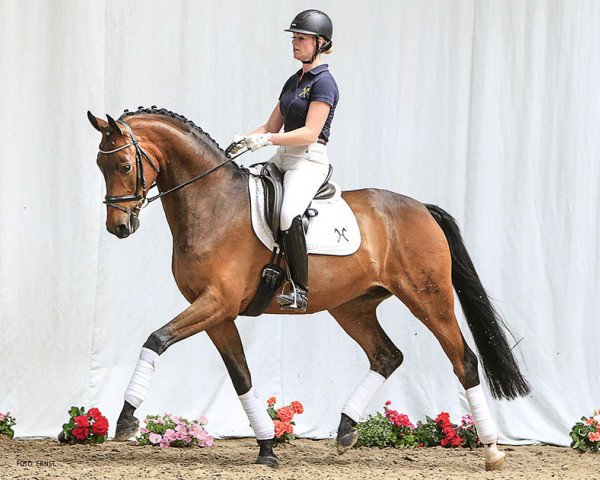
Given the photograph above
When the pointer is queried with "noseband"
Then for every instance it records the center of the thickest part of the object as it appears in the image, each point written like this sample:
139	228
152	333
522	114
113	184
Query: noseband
140	179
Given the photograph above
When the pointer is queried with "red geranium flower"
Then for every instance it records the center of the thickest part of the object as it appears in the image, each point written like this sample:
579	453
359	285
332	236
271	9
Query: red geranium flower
443	417
297	407
279	428
82	421
285	414
80	433
94	413
100	426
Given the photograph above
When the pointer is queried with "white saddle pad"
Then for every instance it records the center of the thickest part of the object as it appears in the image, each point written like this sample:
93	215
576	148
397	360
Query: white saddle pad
334	231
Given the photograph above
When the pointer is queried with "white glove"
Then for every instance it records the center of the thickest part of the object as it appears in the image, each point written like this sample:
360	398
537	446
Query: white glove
257	140
239	146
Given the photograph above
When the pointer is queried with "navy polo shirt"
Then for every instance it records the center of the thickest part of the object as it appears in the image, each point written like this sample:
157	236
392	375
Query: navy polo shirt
316	85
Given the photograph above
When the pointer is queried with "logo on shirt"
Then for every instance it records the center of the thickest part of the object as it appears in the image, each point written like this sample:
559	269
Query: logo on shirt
304	93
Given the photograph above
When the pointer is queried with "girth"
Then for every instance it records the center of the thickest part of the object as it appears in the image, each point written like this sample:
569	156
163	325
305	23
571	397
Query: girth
272	180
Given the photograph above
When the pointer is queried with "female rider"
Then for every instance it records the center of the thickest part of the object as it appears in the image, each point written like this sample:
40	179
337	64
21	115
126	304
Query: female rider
305	109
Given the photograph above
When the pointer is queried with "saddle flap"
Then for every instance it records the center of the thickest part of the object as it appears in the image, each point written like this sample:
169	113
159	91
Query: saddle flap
272	178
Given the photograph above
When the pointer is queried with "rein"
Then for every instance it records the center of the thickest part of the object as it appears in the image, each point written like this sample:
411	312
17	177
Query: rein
143	200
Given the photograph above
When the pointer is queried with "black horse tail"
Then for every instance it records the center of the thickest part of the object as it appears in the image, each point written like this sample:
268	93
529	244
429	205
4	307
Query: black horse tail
486	325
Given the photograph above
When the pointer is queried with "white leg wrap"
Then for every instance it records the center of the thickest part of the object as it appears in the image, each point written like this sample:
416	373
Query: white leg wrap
486	428
138	386
357	403
261	422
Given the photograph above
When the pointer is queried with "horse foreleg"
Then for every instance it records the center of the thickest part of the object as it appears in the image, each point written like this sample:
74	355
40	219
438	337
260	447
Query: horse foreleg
226	338
208	310
359	320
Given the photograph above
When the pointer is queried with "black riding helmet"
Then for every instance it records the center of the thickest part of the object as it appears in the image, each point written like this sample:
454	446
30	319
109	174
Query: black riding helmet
314	22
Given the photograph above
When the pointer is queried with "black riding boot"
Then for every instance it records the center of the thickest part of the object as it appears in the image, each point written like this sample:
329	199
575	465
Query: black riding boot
296	258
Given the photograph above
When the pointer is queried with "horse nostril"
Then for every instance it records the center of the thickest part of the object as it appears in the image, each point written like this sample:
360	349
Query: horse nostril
122	230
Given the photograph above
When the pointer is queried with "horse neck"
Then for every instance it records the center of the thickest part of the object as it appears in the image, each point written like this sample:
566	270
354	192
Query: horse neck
196	208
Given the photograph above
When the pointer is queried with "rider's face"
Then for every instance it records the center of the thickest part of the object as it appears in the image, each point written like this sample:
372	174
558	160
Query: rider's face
303	46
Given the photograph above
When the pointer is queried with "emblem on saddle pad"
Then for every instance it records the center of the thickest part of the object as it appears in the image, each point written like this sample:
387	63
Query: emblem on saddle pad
341	234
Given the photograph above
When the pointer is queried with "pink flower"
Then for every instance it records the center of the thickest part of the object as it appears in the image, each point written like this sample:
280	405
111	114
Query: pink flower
467	419
594	436
155	438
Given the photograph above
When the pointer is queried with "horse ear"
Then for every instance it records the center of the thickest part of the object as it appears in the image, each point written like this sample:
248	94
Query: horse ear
114	126
97	123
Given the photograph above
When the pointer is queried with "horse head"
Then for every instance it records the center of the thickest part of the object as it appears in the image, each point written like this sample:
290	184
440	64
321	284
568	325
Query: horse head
125	166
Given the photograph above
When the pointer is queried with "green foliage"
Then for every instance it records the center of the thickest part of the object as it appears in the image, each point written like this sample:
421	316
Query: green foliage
6	425
378	431
585	434
429	433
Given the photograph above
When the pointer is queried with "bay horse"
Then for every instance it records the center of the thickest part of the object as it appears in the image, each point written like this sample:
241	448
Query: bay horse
409	250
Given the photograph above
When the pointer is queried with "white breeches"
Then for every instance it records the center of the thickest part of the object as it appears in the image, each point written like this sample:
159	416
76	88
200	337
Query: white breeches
304	171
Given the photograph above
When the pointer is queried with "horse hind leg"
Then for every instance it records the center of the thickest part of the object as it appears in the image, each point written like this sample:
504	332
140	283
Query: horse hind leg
428	294
359	320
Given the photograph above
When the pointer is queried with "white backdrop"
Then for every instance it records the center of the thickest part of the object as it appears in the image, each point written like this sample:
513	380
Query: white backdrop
488	109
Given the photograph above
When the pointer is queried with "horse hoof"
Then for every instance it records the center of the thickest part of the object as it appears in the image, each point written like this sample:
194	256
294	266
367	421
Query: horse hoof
496	464
346	442
267	460
126	429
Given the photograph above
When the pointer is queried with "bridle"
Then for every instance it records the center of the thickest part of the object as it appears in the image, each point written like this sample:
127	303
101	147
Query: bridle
140	178
140	181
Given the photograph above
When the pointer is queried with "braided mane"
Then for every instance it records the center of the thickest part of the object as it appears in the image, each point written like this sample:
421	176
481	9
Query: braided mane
198	132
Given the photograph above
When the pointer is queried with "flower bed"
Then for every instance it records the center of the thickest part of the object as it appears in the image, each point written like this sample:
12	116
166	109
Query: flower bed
394	429
172	431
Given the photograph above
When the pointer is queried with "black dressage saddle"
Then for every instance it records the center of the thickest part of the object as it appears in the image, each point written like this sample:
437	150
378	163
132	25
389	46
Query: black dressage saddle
272	180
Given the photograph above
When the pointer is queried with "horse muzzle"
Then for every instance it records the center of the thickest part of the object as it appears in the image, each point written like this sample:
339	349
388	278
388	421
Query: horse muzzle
126	227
